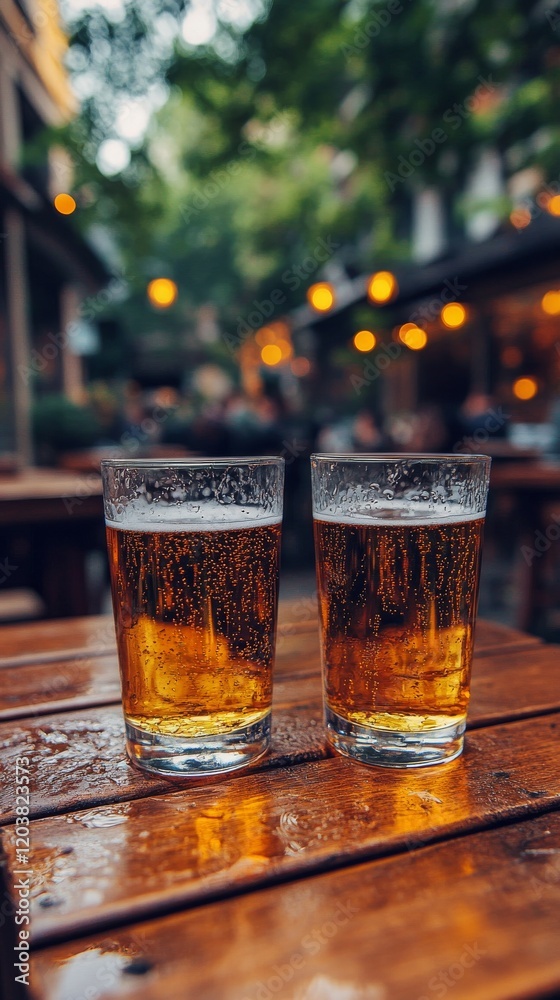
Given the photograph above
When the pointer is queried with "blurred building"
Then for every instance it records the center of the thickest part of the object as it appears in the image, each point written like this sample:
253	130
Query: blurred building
46	269
482	287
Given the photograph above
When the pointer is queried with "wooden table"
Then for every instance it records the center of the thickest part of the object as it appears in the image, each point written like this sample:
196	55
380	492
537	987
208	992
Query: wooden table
307	876
49	521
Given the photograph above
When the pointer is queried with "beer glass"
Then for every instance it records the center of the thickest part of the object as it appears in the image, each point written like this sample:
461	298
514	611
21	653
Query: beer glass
398	541
194	548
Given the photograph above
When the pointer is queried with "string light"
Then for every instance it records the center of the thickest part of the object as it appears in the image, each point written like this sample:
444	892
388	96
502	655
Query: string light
162	292
321	296
413	336
271	355
364	340
453	315
525	388
65	203
550	303
382	286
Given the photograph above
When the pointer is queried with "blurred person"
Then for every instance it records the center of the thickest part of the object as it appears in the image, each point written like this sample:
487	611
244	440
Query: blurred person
366	434
422	431
480	412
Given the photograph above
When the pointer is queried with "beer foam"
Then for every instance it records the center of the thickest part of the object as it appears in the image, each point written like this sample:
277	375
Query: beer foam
412	515
203	515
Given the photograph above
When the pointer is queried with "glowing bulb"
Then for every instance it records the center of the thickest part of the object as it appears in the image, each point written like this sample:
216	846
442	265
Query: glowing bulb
525	388
162	292
382	286
321	296
413	336
65	204
550	303
453	315
364	340
271	354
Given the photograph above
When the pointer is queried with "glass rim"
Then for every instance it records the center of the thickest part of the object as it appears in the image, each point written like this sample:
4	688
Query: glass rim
373	457
188	463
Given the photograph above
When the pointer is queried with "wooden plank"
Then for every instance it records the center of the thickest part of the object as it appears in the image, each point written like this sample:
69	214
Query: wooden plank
37	642
475	918
95	635
133	859
31	689
78	759
514	685
39	689
42	642
491	636
511	685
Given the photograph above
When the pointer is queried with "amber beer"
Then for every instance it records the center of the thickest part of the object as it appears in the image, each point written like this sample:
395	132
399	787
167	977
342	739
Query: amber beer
195	614
398	604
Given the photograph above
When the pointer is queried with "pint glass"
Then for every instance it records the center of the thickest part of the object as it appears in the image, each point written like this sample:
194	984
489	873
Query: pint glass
398	541
194	551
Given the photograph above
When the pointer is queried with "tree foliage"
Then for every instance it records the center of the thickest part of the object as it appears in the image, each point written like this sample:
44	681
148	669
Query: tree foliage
298	126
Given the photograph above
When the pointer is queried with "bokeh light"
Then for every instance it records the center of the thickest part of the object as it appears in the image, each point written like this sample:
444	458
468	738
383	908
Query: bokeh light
525	388
271	354
321	296
364	340
413	336
520	218
300	367
382	286
550	303
162	292
511	356
65	204
553	206
453	315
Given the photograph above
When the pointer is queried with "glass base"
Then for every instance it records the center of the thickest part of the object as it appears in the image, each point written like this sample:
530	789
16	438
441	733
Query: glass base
389	748
179	757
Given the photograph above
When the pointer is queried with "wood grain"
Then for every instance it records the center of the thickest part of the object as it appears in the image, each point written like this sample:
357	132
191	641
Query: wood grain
78	759
79	756
68	684
42	642
134	859
507	686
475	918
